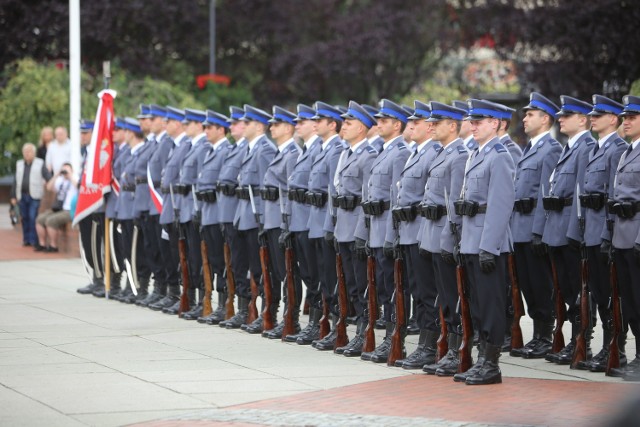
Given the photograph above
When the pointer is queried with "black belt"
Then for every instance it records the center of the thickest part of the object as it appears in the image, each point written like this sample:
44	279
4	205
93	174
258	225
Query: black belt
208	196
298	195
433	212
553	203
348	203
375	207
405	213
625	209
469	208
243	192
165	190
128	188
141	179
270	193
227	189
525	206
593	201
156	184
334	201
182	189
316	199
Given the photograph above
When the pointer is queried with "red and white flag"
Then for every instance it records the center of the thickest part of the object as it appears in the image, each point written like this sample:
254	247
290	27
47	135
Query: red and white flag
96	178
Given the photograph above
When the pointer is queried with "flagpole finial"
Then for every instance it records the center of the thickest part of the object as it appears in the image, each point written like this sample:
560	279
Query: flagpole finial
106	72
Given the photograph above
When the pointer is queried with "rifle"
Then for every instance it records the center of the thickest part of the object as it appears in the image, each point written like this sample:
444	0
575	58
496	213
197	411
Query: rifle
442	345
341	325
267	320
372	303
206	267
580	351
253	285
464	352
325	326
182	250
615	306
558	337
231	283
396	351
289	327
518	306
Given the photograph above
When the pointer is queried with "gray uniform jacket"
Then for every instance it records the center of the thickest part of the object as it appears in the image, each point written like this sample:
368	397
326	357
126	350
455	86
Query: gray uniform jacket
377	143
599	178
627	187
514	149
489	181
568	171
142	195
323	169
382	186
124	207
171	176
276	176
298	178
252	171
532	180
227	205
191	165
160	154
112	200
445	172
353	171
208	177
412	185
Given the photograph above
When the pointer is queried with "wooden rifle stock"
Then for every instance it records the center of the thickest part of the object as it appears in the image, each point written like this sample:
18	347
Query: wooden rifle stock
580	352
325	326
518	306
343	302
396	351
231	283
289	328
372	306
616	312
267	320
558	336
208	280
184	268
464	352
253	307
442	346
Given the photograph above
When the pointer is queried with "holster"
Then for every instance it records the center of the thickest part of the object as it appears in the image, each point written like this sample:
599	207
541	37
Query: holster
593	201
348	203
525	206
298	195
554	203
433	212
270	193
316	199
227	189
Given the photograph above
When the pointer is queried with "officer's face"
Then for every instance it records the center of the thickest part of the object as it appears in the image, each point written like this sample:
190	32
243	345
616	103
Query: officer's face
174	127
388	128
118	136
602	123
485	129
442	130
281	132
145	125
631	126
157	125
465	129
85	138
305	128
212	133
571	124
408	131
533	121
422	130
324	127
237	129
352	130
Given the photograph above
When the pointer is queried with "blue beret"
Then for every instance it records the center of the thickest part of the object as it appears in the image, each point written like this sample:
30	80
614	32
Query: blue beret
253	114
570	105
392	110
305	113
120	124
358	112
145	112
539	102
157	111
191	115
235	113
506	113
440	111
603	105
327	111
280	115
132	125
479	109
421	111
631	105
174	114
213	118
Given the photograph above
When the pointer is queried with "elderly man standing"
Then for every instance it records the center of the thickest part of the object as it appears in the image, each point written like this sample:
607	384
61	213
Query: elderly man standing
27	190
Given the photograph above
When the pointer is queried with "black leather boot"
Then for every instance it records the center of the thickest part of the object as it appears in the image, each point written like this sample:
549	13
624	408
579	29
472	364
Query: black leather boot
354	347
173	296
461	377
85	290
312	331
583	365
544	345
218	314
380	322
424	354
506	345
449	360
124	292
519	352
159	291
143	292
328	342
490	372
196	310
564	356
412	326
381	353
240	318
276	332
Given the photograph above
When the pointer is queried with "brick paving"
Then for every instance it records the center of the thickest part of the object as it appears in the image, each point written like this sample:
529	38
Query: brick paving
11	248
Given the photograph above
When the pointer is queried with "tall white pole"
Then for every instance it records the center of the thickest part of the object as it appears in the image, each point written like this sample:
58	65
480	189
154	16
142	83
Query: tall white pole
74	82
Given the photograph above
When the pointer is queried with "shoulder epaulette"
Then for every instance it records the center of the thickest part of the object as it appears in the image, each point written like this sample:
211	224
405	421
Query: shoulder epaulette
553	142
402	146
500	148
437	147
462	149
589	141
371	149
619	141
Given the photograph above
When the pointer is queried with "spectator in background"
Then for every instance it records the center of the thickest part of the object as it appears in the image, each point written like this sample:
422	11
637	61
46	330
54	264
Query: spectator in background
27	191
46	136
48	223
58	151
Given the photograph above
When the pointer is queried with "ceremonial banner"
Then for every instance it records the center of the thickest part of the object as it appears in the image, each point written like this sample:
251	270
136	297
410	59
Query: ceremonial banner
96	178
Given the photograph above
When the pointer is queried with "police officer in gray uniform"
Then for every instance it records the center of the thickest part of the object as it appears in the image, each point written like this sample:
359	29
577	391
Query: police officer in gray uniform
527	223
596	188
226	193
373	136
626	232
465	128
486	205
354	168
191	166
260	152
407	214
170	178
274	185
321	217
216	126
378	192
560	205
299	211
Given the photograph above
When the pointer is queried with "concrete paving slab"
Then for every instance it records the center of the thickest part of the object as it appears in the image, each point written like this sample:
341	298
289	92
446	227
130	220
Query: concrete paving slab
265	385
19	410
212	374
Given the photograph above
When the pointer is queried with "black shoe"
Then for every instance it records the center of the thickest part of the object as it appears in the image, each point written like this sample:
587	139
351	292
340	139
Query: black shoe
380	354
51	249
449	359
354	348
539	351
217	316
275	333
151	298
312	334
564	356
129	299
87	289
39	248
380	324
124	293
99	292
506	344
490	372
326	343
194	313
166	302
255	327
421	356
174	309
412	327
235	322
518	352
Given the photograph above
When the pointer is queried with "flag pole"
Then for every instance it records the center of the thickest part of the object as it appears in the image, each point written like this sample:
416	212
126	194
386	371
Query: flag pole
74	82
106	71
